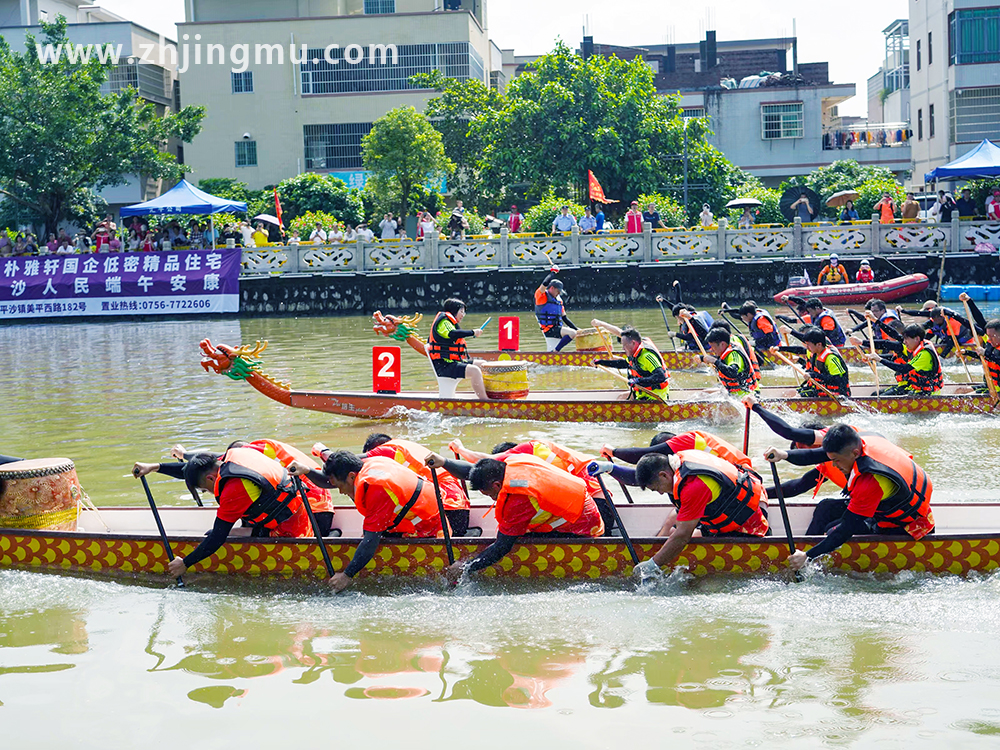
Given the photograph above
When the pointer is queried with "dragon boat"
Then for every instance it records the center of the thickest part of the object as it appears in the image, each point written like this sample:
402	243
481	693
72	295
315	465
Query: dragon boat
244	363
123	541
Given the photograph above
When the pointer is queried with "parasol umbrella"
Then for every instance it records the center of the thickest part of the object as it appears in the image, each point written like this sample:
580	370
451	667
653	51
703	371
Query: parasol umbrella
268	218
744	203
839	199
791	195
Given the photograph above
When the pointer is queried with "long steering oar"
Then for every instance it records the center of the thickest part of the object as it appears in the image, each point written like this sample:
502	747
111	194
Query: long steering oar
990	383
159	525
444	519
784	515
659	301
315	526
618	520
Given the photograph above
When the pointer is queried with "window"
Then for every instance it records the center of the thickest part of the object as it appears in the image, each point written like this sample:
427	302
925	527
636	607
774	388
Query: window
243	82
974	36
246	153
918	54
781	121
456	60
379	6
920	124
930	121
335	146
973	114
930	48
689	112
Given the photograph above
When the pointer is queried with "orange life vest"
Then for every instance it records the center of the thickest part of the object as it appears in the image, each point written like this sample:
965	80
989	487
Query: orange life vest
747	382
441	348
278	500
912	498
925	381
284	454
412	496
991	358
558	497
413	456
709	443
887	317
751	353
740	491
820	374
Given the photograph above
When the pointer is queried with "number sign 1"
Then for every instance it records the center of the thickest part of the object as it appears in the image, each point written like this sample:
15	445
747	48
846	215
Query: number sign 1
510	333
386	377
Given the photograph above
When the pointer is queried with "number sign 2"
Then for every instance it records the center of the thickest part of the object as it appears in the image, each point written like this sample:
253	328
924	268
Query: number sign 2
386	377
510	333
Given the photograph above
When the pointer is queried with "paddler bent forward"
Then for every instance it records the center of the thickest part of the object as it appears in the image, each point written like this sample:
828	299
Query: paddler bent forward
644	364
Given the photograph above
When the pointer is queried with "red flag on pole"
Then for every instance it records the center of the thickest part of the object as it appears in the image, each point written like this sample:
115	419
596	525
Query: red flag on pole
596	191
277	209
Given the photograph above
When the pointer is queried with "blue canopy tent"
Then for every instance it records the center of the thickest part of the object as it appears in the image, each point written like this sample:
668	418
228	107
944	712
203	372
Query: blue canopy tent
185	198
982	161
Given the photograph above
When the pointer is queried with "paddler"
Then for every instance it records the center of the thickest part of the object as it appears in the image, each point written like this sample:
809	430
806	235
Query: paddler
690	319
393	500
883	320
732	363
943	323
551	313
825	320
822	361
887	492
248	486
413	456
447	351
802	313
532	498
567	459
915	361
987	345
741	342
643	361
833	272
712	496
763	329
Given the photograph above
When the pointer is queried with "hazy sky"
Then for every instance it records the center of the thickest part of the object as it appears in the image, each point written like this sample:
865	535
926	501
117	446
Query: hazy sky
848	36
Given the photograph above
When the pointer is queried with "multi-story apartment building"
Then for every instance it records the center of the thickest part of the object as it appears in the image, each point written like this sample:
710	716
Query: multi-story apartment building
954	79
272	117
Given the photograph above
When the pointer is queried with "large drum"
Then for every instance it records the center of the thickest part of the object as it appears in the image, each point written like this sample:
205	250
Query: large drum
43	493
506	380
592	340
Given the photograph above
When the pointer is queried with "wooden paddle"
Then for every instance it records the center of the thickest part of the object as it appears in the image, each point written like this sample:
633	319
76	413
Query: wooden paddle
315	526
746	434
618	520
159	526
990	383
618	375
784	516
659	301
958	351
842	400
871	343
445	527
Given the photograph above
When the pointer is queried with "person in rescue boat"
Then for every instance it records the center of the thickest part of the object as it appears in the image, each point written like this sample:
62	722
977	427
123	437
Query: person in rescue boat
915	362
550	312
643	361
393	500
447	351
822	361
888	493
833	272
412	456
247	485
712	496
732	363
532	498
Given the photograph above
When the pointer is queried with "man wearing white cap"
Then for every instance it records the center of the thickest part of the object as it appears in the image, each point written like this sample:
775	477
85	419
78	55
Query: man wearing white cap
833	272
865	274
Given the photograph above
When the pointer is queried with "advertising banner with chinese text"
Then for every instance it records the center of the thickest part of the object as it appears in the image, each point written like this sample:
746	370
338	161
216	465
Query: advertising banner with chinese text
140	283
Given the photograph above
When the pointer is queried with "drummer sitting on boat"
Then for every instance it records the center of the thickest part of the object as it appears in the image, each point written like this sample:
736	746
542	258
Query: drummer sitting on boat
914	360
648	378
532	497
888	493
551	313
732	363
822	361
446	348
713	497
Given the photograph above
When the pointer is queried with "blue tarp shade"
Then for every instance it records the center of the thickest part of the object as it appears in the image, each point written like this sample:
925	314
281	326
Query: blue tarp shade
982	161
184	198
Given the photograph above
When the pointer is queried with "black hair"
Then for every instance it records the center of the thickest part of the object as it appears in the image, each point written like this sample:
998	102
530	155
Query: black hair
661	437
340	464
235	444
503	447
720	335
723	324
199	465
817	426
873	303
628	332
649	467
937	311
375	440
676	309
812	335
913	331
814	303
993	324
748	308
485	473
453	305
841	437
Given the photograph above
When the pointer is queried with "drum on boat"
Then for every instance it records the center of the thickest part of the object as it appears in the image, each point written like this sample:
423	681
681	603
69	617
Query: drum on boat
42	493
592	340
506	380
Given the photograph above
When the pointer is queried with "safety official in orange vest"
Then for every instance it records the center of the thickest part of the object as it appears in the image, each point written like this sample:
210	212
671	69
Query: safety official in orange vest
712	496
391	498
532	498
888	492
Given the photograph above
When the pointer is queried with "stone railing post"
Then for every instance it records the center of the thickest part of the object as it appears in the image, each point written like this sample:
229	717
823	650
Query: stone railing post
721	235
363	262
432	259
647	242
574	245
798	241
956	233
876	235
503	254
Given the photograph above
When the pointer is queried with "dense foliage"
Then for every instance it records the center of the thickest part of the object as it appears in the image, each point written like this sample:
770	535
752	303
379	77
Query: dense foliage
671	212
847	175
539	217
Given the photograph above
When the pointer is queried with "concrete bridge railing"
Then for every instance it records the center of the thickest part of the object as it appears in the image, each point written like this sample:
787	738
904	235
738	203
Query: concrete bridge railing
859	239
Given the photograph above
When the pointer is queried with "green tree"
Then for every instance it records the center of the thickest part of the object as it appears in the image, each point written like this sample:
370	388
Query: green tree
770	210
539	217
225	187
61	135
870	192
839	176
671	212
402	151
310	191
